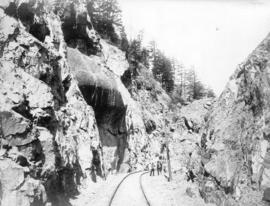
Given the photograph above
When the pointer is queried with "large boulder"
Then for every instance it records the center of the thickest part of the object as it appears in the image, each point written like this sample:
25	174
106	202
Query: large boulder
20	190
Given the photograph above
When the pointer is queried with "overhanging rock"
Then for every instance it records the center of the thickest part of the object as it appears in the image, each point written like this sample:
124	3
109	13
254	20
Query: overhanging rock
99	87
96	82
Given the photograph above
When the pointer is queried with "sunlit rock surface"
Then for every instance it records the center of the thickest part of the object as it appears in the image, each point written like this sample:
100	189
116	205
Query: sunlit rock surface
188	123
47	128
62	102
153	102
70	103
235	142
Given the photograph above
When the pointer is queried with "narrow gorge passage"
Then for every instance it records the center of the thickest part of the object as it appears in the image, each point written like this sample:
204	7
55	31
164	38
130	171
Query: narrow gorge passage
89	105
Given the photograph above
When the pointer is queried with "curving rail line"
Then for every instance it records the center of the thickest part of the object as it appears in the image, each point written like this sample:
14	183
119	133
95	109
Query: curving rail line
142	188
120	183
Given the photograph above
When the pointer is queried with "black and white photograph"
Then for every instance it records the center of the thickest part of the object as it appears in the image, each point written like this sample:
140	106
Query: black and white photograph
134	103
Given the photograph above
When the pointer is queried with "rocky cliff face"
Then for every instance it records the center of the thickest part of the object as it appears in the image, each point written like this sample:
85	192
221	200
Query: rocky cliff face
235	143
46	126
187	125
116	112
153	102
71	106
63	106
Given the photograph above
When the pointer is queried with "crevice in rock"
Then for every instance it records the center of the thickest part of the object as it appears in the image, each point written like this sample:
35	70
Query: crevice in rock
61	183
40	31
11	37
22	161
217	191
23	109
126	78
69	179
36	154
66	83
150	126
27	17
75	28
52	76
188	124
47	120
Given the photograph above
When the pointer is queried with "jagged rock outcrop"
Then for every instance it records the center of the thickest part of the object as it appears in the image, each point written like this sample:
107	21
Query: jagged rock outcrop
63	108
188	123
235	143
99	81
47	128
153	102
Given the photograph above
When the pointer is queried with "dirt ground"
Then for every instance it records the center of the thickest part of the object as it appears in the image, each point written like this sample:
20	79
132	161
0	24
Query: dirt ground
178	192
158	190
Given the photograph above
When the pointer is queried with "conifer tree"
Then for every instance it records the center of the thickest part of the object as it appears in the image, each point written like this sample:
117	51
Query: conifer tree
195	89
106	17
163	70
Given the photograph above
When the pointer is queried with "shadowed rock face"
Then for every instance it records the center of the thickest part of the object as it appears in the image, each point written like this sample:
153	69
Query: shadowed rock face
101	98
97	84
78	30
25	12
100	90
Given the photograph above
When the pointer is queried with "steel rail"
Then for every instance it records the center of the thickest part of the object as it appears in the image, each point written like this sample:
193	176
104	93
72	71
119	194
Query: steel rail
143	190
120	183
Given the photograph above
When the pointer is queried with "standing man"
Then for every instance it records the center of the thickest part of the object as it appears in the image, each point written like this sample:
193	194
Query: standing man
152	171
159	166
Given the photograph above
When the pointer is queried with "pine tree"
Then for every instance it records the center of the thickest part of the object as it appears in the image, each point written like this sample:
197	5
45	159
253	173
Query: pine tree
124	44
106	17
177	95
210	93
195	89
158	65
145	58
163	71
134	51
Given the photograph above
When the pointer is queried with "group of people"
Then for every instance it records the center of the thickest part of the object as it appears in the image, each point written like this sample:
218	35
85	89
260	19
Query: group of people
156	165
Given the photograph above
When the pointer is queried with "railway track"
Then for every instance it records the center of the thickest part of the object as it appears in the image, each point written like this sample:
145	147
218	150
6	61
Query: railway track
142	189
147	202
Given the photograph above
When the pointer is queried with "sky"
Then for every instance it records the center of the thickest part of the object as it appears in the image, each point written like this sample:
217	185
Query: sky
214	36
